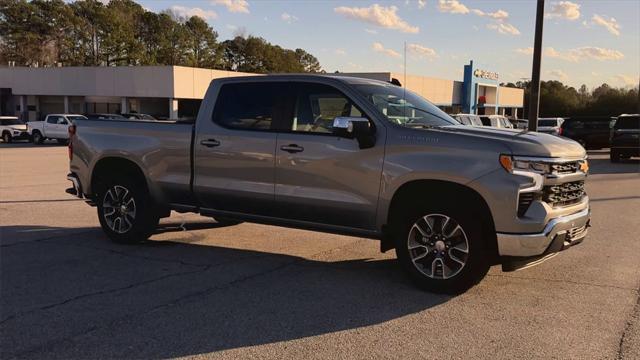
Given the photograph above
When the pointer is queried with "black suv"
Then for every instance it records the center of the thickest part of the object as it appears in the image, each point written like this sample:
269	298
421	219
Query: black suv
592	132
625	137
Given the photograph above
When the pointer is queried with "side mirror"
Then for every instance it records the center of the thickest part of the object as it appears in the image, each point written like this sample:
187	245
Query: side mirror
355	128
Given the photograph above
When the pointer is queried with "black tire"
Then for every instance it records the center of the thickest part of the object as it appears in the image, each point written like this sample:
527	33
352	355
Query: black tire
37	138
62	141
138	219
476	260
614	156
227	221
6	137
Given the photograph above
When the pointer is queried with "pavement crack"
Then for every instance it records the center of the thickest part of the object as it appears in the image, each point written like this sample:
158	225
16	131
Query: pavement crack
566	281
635	314
102	292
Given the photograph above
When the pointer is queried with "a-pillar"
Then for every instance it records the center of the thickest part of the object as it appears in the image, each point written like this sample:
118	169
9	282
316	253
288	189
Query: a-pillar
124	105
173	108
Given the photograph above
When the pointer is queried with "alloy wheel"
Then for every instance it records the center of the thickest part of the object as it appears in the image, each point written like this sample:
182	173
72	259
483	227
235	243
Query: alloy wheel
438	246
119	209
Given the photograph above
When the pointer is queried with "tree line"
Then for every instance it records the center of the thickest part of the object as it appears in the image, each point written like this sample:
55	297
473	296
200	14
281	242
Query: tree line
121	33
560	100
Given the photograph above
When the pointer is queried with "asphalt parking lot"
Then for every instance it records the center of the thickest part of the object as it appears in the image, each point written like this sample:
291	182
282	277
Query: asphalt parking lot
254	291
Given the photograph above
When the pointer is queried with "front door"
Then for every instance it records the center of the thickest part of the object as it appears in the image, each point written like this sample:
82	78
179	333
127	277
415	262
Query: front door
321	177
235	150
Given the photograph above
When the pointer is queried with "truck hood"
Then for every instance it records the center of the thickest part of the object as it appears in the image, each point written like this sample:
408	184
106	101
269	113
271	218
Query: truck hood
523	142
21	127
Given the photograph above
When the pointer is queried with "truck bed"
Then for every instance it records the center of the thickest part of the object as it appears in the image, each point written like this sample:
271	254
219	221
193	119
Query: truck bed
161	148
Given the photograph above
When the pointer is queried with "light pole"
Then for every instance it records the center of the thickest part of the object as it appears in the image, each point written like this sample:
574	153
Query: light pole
534	95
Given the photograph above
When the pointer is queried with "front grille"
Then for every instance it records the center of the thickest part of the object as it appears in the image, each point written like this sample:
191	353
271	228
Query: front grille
564	194
576	233
524	201
565	168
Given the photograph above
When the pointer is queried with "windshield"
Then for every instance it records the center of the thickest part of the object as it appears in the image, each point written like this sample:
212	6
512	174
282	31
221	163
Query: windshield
547	122
404	107
13	121
628	122
76	117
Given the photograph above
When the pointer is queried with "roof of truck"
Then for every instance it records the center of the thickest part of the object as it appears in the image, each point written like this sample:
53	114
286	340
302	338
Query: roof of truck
295	76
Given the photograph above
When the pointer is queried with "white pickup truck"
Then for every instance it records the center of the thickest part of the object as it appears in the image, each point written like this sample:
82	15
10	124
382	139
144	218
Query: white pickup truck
54	126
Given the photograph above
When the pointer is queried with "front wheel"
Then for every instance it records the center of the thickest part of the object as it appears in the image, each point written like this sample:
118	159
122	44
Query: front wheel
442	250
125	211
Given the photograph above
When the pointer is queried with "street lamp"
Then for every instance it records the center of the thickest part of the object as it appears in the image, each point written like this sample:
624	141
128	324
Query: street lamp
534	95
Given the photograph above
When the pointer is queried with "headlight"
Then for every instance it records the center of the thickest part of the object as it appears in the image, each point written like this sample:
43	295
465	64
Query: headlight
521	165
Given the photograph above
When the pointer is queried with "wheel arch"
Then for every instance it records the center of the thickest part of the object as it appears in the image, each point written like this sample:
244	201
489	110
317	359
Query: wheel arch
439	190
113	164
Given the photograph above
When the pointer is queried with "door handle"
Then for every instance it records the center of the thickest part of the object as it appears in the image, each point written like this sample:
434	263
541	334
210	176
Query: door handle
210	142
292	148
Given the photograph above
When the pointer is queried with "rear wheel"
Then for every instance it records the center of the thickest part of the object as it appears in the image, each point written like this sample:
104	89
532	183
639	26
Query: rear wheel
125	210
6	137
614	156
442	249
37	138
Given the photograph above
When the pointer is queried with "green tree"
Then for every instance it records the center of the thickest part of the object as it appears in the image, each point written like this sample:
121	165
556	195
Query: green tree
203	48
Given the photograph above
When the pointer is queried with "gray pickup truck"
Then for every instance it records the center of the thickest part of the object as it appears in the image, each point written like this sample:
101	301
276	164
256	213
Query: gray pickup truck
343	155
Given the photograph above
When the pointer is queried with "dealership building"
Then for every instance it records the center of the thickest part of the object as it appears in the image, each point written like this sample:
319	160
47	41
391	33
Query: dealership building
176	91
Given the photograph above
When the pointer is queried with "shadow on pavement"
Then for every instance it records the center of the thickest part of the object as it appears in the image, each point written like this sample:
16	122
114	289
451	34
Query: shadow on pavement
28	144
76	295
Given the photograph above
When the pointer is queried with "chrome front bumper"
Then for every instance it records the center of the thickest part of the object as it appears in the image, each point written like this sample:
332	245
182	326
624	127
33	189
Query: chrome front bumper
572	228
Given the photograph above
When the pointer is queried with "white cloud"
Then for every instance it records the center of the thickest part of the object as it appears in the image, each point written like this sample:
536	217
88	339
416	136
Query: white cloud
370	31
610	24
525	51
340	52
504	28
577	54
498	15
196	11
421	51
558	74
422	4
382	16
234	6
452	6
378	47
288	18
627	80
564	10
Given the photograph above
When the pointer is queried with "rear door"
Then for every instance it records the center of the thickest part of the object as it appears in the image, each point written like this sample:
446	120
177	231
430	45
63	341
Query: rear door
50	126
321	177
234	150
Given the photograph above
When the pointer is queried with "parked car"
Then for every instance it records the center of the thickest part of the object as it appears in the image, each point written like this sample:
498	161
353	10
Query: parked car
522	124
451	199
54	126
105	117
498	121
468	119
137	116
12	129
551	126
625	137
592	132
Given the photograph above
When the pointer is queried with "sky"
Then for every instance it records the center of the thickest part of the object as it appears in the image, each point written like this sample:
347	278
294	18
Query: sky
585	42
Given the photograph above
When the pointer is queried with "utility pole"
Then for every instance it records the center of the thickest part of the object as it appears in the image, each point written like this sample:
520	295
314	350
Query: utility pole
534	95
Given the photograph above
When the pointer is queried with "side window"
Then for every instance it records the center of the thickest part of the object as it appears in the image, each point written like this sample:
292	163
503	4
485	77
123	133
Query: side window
62	121
317	106
249	106
52	119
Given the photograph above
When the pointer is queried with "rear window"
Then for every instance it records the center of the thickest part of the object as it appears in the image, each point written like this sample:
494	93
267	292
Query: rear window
249	106
10	122
628	122
547	122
